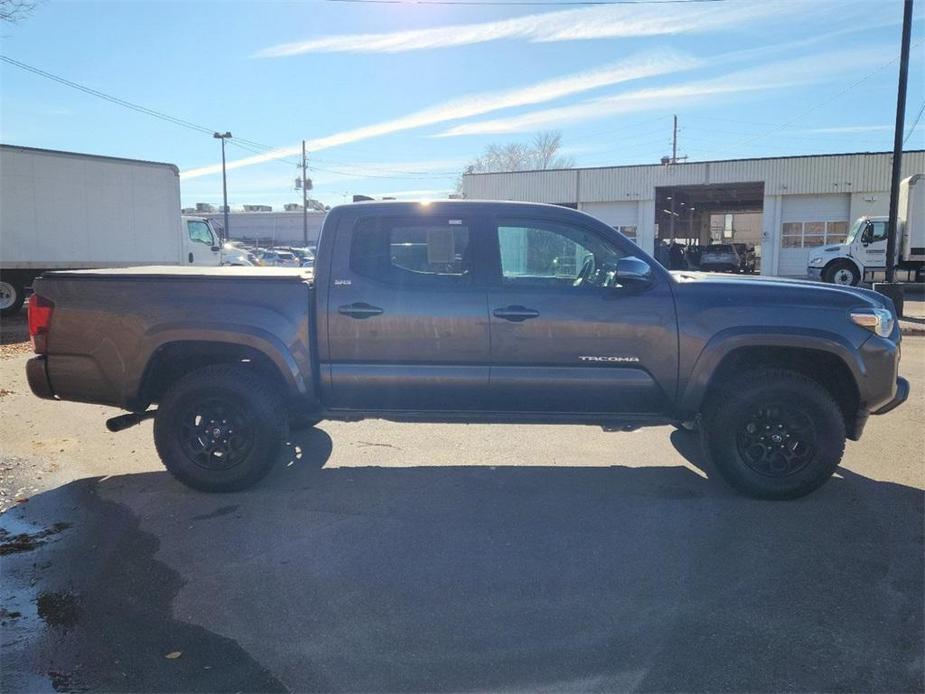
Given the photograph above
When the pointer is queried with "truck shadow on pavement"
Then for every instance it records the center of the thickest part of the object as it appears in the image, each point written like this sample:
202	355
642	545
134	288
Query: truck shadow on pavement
471	578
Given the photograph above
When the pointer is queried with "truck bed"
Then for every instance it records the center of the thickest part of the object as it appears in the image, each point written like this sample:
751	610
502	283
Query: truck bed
110	323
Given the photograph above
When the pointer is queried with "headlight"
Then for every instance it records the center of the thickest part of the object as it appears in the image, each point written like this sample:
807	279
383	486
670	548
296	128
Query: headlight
817	261
877	320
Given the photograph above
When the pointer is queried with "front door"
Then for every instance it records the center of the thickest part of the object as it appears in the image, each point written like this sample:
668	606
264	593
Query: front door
203	248
872	249
566	334
407	316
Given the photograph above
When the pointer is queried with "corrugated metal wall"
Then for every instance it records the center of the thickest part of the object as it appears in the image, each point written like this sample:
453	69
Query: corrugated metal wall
837	173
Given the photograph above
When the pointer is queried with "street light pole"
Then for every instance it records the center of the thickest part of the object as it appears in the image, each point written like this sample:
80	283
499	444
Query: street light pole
223	137
304	200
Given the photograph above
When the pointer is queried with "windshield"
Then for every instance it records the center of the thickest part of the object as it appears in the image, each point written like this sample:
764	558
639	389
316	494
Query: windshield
855	230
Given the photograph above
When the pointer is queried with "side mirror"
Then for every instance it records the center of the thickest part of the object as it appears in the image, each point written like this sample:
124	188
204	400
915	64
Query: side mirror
633	269
867	235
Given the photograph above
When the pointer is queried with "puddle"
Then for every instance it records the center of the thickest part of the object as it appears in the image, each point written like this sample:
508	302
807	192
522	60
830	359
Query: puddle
26	542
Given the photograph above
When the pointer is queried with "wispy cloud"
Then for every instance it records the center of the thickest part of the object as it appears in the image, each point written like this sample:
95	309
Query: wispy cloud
806	70
601	22
481	103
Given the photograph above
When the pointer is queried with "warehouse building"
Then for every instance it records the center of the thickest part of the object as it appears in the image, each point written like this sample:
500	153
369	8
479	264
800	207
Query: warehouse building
783	206
270	228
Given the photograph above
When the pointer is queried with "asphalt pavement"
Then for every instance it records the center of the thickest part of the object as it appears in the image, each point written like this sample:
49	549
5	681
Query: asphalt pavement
402	557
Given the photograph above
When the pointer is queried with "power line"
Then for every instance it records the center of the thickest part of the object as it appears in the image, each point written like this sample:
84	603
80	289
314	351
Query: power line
241	143
915	123
820	104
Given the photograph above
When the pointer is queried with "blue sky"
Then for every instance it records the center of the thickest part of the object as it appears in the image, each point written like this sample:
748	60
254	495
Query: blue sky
396	98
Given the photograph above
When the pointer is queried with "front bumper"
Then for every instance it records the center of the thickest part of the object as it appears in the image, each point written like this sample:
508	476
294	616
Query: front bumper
37	375
902	394
814	273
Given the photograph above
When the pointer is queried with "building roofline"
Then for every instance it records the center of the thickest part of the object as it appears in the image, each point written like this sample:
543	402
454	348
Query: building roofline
103	157
694	163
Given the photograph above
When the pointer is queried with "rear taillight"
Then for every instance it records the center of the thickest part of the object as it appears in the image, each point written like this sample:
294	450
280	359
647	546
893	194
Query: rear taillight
40	310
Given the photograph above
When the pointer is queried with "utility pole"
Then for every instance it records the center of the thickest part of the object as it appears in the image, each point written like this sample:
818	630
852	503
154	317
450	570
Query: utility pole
674	141
304	200
224	136
890	288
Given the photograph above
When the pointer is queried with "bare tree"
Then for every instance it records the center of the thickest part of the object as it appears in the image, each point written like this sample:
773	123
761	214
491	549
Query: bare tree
541	153
14	11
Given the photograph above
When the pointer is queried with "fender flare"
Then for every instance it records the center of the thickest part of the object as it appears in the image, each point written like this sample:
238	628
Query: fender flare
727	341
258	339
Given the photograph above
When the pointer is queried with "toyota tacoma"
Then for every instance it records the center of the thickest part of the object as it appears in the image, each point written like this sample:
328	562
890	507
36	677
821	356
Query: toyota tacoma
467	311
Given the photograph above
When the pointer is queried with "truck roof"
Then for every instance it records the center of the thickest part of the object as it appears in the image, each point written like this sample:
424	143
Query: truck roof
59	152
419	206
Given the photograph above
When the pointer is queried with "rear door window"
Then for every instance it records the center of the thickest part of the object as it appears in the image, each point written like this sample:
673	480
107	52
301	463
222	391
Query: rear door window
397	251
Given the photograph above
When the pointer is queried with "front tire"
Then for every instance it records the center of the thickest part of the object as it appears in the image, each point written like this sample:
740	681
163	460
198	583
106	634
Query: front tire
842	272
220	428
774	434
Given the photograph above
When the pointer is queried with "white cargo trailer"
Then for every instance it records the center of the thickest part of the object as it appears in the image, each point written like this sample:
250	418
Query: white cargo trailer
862	257
62	210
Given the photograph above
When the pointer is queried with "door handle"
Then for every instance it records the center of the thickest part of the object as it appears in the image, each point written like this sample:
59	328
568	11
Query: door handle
191	257
516	314
359	310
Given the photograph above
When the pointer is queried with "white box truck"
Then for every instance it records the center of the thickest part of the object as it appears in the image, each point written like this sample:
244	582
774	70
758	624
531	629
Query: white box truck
62	210
862	257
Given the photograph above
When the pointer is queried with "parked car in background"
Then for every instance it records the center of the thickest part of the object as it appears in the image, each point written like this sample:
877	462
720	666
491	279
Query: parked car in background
720	257
304	254
278	258
233	254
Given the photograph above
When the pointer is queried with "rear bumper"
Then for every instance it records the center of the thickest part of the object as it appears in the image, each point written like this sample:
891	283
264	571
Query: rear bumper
902	394
37	375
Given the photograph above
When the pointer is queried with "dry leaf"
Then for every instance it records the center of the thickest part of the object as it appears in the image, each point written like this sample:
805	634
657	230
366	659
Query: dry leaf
173	655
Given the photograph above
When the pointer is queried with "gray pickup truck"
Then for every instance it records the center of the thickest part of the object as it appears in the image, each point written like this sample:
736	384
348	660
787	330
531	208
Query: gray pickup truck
463	311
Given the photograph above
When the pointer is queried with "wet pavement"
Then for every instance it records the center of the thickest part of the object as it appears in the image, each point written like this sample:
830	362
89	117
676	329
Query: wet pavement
376	558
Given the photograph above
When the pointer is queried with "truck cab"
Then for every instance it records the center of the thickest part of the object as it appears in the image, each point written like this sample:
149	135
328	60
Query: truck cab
863	251
200	242
862	257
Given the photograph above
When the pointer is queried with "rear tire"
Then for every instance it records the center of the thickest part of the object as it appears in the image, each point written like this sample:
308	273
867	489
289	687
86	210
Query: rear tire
842	272
12	296
220	428
773	434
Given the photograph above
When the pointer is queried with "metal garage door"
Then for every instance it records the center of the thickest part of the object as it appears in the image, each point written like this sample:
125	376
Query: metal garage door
809	221
623	216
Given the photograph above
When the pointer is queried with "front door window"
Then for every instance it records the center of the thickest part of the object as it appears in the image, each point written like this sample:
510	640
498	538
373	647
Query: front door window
543	254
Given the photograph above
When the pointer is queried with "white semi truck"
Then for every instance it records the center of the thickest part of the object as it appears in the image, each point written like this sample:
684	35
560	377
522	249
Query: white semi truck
862	257
62	210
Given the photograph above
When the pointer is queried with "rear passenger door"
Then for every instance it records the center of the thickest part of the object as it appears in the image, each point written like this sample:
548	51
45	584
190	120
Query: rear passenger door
407	320
566	335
